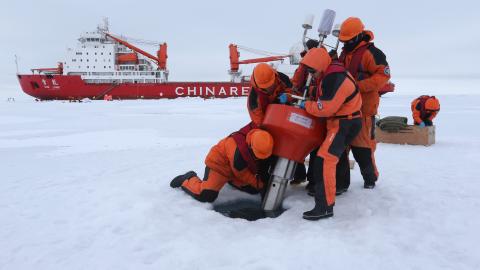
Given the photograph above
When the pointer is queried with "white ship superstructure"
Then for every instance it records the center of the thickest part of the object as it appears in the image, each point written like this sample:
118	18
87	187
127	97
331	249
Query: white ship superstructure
98	58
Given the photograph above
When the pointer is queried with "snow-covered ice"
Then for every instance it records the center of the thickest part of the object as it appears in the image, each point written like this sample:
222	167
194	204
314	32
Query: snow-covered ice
85	186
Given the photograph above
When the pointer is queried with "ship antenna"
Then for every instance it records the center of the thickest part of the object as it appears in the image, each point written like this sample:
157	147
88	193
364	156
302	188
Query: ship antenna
16	62
105	24
103	28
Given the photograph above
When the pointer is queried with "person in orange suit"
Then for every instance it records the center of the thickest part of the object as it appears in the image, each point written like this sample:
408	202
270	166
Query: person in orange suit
424	109
369	67
299	80
336	99
236	159
268	87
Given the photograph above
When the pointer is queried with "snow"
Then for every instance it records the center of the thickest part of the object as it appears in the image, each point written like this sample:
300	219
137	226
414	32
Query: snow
86	186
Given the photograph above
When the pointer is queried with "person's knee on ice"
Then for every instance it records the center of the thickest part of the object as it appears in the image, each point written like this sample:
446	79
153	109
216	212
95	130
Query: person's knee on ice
233	159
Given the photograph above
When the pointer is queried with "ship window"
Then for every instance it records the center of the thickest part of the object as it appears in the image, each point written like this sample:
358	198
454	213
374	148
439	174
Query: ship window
95	53
110	53
82	60
88	60
102	52
87	53
95	60
88	66
104	66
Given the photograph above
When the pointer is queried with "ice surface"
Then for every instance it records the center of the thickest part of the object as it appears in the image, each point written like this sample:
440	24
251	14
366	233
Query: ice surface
86	186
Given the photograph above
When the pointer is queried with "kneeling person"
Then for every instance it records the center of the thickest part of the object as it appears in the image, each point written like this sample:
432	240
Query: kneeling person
236	160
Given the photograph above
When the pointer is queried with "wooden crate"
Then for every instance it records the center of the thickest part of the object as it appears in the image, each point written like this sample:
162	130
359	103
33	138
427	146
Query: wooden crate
414	135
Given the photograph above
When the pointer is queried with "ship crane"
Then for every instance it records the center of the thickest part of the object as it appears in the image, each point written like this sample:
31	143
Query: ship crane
161	58
235	61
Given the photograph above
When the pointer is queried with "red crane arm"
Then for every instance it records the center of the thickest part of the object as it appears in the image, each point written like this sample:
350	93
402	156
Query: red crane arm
130	46
235	61
263	59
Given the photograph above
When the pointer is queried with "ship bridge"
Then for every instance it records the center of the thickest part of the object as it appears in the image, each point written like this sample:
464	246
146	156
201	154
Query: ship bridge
99	58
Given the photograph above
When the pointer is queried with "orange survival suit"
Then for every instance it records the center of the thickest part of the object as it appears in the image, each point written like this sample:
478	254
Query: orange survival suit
368	65
267	85
235	159
424	109
337	99
299	80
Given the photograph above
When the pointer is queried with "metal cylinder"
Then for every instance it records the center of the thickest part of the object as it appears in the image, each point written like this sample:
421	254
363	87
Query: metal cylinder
283	172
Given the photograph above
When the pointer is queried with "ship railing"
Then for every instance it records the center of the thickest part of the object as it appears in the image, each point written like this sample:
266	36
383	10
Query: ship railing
102	73
147	74
122	81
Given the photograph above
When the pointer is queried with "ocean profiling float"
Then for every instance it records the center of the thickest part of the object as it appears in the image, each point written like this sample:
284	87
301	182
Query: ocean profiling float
295	133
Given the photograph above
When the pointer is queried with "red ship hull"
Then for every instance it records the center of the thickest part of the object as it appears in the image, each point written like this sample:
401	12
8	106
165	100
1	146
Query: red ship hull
69	87
66	87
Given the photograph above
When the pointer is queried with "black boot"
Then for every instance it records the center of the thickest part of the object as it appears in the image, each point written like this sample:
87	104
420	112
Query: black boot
300	174
369	185
178	181
319	212
340	191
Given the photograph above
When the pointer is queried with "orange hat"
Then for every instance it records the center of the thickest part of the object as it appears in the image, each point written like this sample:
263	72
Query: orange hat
350	28
432	104
261	143
317	58
263	76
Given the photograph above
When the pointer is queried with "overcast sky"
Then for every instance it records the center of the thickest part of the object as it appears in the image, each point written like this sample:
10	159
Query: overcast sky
420	38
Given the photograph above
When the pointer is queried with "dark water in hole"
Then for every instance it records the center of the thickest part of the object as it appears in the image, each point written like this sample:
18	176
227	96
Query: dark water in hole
245	209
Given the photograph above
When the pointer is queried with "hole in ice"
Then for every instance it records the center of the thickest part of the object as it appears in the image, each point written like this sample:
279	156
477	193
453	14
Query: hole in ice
250	210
